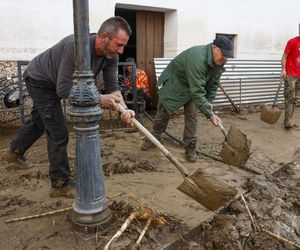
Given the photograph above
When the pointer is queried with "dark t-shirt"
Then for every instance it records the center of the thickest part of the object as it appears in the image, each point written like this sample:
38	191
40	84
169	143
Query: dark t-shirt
54	68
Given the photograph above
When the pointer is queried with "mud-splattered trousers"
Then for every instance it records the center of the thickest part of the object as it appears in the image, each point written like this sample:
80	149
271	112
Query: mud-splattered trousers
291	95
162	118
46	116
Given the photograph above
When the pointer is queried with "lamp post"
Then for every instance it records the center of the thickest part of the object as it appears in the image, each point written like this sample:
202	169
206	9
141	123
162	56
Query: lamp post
90	212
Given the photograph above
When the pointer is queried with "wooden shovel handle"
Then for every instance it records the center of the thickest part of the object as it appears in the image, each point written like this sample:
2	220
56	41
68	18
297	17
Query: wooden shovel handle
156	142
277	93
224	131
229	98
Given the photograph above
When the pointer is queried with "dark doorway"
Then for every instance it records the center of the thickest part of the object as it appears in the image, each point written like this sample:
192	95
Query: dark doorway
145	43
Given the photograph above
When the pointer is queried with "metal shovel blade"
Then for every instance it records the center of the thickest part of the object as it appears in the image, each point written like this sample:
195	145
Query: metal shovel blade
236	147
269	114
210	192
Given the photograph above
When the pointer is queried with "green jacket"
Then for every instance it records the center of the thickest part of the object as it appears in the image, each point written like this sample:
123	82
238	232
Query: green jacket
191	75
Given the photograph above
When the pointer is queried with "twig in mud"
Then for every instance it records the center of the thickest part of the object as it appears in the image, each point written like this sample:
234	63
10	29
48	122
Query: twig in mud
39	215
122	229
267	231
255	226
143	212
281	238
190	243
158	214
137	243
115	195
52	212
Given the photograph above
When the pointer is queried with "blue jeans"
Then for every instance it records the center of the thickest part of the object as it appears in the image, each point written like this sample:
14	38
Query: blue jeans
46	116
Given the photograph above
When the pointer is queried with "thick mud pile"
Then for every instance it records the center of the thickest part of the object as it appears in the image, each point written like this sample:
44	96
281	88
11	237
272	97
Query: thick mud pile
273	196
274	202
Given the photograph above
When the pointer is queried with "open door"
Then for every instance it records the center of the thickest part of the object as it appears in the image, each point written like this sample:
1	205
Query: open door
149	37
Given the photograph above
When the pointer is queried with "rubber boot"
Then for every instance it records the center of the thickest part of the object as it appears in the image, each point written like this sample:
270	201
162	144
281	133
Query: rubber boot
190	152
296	126
63	187
288	122
147	144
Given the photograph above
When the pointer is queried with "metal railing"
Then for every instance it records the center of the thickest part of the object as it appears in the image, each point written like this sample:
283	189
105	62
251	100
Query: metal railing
21	90
5	82
247	82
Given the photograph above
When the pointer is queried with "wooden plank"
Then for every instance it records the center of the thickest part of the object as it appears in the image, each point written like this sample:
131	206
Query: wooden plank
150	27
158	50
141	38
150	31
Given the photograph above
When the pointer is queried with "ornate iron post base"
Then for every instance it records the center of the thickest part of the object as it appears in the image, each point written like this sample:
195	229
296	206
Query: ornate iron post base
90	212
91	223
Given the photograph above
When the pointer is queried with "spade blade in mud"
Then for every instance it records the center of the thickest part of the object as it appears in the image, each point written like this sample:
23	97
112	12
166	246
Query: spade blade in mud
270	114
236	148
210	192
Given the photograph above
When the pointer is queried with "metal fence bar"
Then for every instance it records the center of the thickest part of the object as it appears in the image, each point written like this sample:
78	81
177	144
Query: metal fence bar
20	83
133	84
246	81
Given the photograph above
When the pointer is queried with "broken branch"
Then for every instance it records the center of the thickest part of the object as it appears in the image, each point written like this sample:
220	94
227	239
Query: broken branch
122	229
281	238
255	226
143	232
39	215
53	212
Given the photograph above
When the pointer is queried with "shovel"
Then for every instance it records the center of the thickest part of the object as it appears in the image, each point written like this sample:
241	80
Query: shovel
271	114
236	147
200	186
229	98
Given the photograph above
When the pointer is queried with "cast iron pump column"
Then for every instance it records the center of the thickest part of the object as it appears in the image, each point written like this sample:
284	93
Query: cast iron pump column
90	212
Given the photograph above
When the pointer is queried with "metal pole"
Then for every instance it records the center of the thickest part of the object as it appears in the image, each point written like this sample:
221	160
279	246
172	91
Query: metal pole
240	106
134	90
90	212
20	82
229	98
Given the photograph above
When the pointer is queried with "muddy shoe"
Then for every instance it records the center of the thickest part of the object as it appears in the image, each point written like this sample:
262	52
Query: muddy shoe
296	126
288	123
190	153
63	188
147	144
19	160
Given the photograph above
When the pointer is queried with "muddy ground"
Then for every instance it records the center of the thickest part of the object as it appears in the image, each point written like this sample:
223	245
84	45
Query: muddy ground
149	179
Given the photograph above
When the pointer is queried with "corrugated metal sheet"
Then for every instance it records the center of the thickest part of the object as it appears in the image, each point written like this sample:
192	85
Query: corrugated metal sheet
246	81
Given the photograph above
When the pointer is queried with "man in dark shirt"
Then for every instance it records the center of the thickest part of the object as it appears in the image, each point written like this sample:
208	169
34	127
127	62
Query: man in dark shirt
49	78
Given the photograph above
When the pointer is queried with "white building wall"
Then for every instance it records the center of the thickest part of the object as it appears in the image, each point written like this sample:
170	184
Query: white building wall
262	27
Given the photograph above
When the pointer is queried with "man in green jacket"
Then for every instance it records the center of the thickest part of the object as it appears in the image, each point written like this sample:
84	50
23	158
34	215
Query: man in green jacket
191	80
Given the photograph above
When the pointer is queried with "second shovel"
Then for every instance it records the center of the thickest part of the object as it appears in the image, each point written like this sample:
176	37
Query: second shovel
236	147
